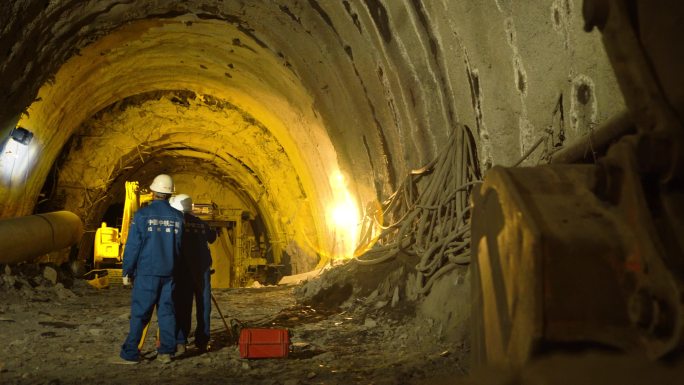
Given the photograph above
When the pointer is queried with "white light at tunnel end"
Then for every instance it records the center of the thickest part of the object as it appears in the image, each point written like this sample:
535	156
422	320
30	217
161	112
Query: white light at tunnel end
343	219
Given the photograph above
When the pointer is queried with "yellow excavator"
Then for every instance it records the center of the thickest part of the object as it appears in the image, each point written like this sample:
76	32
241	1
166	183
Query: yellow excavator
110	241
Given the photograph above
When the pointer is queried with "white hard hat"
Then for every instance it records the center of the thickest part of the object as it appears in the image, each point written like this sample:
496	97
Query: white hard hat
181	202
162	183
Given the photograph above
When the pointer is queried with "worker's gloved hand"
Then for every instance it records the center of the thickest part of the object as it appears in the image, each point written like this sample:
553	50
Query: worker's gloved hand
126	280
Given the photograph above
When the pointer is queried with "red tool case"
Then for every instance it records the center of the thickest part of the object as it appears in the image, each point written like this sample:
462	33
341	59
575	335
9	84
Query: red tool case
264	343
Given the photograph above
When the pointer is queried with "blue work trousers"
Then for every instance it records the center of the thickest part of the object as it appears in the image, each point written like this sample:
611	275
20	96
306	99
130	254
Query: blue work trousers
150	291
187	289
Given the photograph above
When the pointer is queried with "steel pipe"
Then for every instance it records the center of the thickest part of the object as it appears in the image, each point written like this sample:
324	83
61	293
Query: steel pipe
25	238
597	141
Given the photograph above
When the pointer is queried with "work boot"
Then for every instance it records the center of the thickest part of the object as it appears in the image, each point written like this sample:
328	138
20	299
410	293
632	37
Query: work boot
123	361
203	348
164	358
180	349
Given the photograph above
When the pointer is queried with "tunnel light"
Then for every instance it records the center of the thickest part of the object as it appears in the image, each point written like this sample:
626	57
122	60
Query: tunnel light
21	135
343	218
343	214
17	157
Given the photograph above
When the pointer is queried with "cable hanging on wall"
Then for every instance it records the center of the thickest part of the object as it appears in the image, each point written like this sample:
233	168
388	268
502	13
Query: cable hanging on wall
433	224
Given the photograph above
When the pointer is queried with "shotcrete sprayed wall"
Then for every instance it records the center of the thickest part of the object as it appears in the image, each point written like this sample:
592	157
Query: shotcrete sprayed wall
368	88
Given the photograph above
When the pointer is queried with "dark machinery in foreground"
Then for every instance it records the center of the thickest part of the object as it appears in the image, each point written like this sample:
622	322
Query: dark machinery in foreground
570	255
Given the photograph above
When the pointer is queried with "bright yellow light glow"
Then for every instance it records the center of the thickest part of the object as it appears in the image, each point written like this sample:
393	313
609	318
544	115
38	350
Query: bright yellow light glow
343	218
343	215
16	160
371	227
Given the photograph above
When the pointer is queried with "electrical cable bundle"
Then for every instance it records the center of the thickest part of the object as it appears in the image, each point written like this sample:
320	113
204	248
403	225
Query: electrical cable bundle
433	225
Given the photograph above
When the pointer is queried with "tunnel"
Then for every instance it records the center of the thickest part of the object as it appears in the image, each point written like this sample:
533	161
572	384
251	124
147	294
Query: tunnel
297	119
293	111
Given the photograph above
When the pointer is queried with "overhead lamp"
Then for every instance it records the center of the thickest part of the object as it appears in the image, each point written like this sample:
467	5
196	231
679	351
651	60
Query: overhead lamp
21	135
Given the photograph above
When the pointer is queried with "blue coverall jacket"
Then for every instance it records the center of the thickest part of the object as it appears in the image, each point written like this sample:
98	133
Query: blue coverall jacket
193	279
151	253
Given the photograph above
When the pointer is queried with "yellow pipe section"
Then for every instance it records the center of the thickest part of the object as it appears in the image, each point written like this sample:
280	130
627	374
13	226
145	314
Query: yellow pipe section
25	238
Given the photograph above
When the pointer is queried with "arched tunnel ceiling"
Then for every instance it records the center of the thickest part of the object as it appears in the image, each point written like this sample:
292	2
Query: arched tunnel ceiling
367	88
180	132
253	110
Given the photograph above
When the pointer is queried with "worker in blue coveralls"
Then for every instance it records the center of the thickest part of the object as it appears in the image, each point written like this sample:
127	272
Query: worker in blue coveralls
193	278
152	251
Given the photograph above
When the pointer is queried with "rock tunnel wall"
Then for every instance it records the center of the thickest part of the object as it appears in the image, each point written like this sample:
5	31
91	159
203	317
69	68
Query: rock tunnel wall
368	88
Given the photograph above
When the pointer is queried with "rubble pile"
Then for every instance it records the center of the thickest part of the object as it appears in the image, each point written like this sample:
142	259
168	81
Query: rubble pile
36	281
389	291
381	286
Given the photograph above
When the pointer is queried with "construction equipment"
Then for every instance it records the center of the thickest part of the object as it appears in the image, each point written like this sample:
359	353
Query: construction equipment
141	344
591	255
228	329
98	279
264	343
238	259
110	242
25	238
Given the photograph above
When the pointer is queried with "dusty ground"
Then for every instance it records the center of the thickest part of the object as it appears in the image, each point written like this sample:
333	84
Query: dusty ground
54	335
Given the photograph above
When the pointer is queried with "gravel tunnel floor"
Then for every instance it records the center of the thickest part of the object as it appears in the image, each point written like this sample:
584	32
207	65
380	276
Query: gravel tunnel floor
54	335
